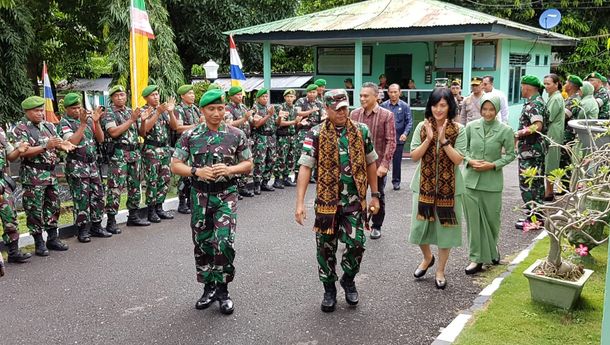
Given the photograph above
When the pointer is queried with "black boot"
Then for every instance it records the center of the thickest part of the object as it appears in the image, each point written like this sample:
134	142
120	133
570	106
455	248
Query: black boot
163	214
153	217
183	206
224	301
330	298
351	294
289	183
278	184
41	247
244	191
208	297
97	230
133	219
83	234
111	226
15	255
53	242
266	187
257	188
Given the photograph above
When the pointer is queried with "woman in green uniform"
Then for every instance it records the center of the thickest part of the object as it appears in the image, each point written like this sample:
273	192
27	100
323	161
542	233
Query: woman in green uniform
486	140
438	145
555	130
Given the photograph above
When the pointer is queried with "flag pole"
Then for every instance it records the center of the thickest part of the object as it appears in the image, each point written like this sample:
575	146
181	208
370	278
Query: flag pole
44	70
134	73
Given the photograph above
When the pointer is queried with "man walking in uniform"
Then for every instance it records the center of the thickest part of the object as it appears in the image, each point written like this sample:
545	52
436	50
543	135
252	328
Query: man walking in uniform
402	122
265	122
286	141
216	154
238	115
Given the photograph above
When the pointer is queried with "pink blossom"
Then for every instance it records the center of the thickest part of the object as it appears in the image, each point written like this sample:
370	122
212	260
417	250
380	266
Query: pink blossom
582	250
530	226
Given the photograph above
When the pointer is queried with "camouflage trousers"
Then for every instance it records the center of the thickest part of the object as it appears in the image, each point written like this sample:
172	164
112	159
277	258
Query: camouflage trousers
244	180
8	215
300	138
264	154
286	156
155	166
88	196
349	229
41	205
535	192
123	174
213	221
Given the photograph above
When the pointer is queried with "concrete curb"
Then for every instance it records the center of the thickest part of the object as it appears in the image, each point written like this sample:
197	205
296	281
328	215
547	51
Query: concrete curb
451	332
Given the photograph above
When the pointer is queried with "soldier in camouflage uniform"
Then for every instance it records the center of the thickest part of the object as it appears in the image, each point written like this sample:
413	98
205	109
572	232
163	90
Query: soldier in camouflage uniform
530	146
238	115
8	215
311	111
320	89
600	95
286	141
340	194
37	174
82	172
213	154
121	124
572	111
265	121
156	152
185	116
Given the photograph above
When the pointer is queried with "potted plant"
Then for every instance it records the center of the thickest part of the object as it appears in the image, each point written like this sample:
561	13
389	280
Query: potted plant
585	204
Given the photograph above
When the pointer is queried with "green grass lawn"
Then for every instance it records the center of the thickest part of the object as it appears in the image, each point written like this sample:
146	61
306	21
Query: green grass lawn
513	318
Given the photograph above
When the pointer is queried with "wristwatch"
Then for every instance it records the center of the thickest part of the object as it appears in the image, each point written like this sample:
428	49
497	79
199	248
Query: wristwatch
375	195
193	171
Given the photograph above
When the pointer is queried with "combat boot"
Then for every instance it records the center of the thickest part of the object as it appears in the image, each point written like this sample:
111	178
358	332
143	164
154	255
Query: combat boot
289	183
257	188
330	298
244	191
153	217
15	255
208	297
266	187
278	184
163	214
83	234
224	300
111	226
182	206
133	219
97	230
53	242
349	286
41	247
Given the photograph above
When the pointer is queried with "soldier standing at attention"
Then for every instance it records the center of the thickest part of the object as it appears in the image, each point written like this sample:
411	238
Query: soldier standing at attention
530	144
121	124
320	89
82	172
238	115
286	141
600	95
9	153
216	153
37	174
265	122
310	110
156	152
185	116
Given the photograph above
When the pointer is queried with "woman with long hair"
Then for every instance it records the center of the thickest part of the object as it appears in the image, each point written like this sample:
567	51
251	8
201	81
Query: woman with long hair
438	145
555	129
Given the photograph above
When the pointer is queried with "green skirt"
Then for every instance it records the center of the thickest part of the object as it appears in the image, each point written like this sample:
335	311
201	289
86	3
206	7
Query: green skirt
483	214
425	232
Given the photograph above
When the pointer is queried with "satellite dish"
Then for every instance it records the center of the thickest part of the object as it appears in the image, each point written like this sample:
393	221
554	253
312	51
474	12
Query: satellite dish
550	18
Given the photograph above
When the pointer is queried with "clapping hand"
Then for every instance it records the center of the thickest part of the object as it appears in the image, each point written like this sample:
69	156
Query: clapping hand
441	132
429	131
97	114
66	146
147	113
206	173
53	143
82	116
170	105
23	146
135	115
270	110
220	169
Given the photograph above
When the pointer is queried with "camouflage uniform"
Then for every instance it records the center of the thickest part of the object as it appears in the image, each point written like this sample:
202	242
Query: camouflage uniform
37	175
302	104
124	166
187	115
235	112
286	145
213	217
604	109
156	159
532	149
82	173
7	205
350	218
265	146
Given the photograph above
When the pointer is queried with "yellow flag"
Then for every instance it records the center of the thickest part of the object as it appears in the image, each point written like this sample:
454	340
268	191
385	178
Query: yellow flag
140	32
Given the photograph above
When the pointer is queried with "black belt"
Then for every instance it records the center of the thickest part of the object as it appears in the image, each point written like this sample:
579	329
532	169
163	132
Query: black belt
305	128
265	133
154	143
214	187
284	134
81	158
41	166
126	147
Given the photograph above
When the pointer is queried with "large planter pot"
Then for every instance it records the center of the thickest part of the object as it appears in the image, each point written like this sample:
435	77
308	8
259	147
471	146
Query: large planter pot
557	292
597	127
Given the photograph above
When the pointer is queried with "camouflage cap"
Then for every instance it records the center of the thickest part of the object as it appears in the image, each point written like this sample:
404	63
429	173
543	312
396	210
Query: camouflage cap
336	99
116	88
184	89
148	90
71	99
290	92
32	102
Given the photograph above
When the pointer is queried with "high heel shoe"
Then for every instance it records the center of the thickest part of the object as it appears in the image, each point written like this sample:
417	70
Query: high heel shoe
477	268
440	284
420	273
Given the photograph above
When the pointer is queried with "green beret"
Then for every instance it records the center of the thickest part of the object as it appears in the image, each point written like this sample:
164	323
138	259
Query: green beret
261	92
234	90
214	96
184	89
148	90
290	92
320	82
214	86
574	79
312	87
32	102
116	88
604	79
594	75
531	80
71	99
